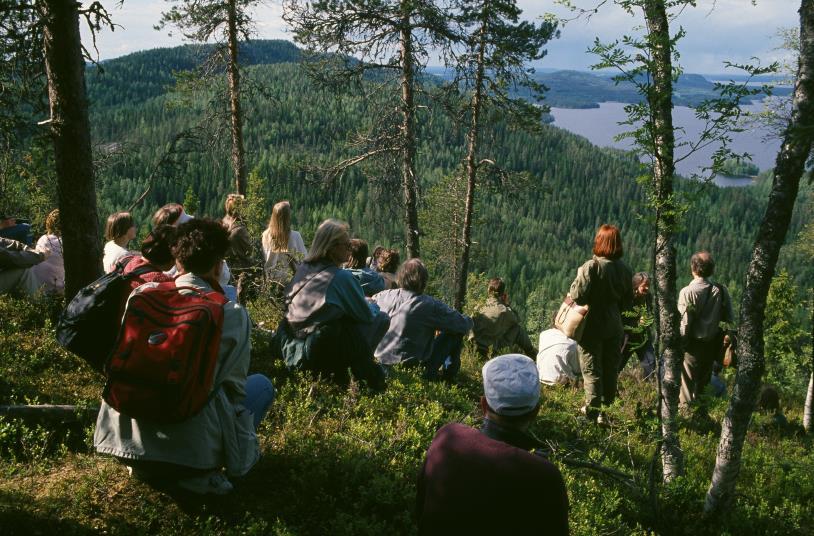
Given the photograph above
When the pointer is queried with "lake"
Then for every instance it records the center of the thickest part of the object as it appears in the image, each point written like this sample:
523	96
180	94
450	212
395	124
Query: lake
600	125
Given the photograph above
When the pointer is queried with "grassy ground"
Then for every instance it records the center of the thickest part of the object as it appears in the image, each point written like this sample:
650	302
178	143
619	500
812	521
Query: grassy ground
344	462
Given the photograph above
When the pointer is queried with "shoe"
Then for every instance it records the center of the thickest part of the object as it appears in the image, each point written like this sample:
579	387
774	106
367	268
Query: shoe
214	483
602	420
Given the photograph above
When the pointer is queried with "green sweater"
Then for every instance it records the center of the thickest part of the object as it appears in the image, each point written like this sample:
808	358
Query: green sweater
606	287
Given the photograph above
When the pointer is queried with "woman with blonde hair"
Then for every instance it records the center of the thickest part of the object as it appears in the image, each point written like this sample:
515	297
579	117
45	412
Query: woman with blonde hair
51	272
328	325
283	248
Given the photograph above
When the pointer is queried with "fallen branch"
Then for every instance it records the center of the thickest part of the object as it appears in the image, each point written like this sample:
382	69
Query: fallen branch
50	413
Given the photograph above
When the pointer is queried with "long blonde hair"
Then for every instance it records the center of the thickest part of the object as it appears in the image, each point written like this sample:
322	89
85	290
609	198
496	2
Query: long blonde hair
329	233
275	237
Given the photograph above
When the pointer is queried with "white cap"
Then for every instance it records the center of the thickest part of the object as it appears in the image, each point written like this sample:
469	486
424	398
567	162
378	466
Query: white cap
511	384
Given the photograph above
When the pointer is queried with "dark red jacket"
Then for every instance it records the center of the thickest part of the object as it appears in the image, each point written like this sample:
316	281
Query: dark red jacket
472	484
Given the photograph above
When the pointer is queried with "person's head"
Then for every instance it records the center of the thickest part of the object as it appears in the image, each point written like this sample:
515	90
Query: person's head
358	253
641	283
413	276
511	390
170	214
7	221
233	207
497	289
769	399
157	247
200	245
120	227
701	264
331	243
608	242
52	224
388	260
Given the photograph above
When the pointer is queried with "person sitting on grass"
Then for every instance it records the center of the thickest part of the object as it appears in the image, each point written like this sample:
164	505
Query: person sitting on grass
51	273
222	434
371	281
16	262
386	263
487	481
120	229
414	320
497	326
328	325
156	253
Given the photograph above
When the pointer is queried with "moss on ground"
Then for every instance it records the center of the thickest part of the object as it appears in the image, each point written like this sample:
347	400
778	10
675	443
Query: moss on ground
344	462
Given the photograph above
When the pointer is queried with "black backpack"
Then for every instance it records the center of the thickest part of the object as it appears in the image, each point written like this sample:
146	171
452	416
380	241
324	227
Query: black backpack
89	324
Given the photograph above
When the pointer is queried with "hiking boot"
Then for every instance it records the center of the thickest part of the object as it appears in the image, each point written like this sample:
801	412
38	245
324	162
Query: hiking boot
603	420
214	483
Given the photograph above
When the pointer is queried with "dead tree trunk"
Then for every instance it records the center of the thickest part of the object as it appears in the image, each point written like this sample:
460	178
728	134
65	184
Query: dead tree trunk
238	156
409	180
789	167
471	171
70	130
660	101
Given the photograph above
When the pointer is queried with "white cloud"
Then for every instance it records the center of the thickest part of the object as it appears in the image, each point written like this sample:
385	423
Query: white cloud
735	30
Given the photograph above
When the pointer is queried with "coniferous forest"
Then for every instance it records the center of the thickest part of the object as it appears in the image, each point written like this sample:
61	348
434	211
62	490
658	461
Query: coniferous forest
340	459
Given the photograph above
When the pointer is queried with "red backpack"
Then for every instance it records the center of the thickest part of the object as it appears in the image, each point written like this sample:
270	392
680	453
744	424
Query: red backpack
163	363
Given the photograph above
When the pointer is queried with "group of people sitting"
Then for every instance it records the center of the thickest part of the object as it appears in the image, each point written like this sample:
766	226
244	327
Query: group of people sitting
349	312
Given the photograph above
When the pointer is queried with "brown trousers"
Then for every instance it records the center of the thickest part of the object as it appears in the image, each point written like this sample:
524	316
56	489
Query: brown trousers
698	358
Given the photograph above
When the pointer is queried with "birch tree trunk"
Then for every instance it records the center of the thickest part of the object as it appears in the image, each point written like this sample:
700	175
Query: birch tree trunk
70	130
408	176
789	167
808	412
238	156
471	170
660	101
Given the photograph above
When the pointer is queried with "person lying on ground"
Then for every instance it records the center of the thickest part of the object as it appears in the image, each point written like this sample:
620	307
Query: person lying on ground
423	331
193	452
496	326
487	481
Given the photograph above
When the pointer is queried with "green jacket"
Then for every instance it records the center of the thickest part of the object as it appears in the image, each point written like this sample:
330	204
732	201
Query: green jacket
606	287
497	326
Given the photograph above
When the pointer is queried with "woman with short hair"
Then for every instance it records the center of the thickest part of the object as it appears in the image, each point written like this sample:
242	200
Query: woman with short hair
603	284
283	247
119	231
328	325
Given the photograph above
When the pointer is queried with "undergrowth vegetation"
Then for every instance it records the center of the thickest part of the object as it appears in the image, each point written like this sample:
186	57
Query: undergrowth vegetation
343	461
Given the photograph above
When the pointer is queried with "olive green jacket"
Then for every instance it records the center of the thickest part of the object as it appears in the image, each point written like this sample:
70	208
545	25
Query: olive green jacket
606	287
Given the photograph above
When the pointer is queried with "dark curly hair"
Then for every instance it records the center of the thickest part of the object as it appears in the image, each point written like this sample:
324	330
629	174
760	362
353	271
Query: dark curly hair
157	247
200	244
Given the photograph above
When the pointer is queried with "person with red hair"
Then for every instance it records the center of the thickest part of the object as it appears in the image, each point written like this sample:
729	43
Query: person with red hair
604	285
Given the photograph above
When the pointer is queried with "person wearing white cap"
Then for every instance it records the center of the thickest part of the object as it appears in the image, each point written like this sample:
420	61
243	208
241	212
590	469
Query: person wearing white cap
469	473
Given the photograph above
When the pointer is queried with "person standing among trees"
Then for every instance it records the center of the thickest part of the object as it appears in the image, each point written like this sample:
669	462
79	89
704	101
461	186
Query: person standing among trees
703	305
604	285
283	247
639	337
239	255
497	326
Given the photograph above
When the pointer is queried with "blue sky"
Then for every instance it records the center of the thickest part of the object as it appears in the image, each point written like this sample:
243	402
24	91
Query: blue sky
734	30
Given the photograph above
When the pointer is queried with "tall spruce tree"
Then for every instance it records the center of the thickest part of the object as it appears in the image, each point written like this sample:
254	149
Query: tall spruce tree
789	167
497	48
228	22
392	38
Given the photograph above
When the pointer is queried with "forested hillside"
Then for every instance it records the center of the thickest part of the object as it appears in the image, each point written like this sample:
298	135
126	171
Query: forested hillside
534	233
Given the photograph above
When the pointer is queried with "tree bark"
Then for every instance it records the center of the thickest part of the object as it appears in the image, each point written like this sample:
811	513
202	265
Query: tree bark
789	167
408	176
471	169
660	101
233	74
70	130
808	412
